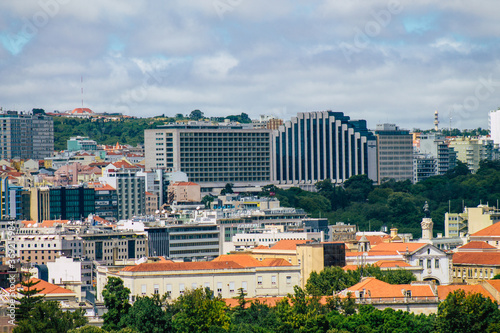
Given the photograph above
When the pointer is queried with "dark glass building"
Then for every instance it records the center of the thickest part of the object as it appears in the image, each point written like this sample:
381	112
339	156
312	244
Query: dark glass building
71	203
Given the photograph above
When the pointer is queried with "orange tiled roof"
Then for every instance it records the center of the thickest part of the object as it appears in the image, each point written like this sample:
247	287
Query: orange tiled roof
443	291
123	164
494	283
477	245
400	247
288	244
101	220
45	223
372	254
182	266
477	258
245	260
261	247
105	187
46	288
381	264
492	230
379	289
275	262
81	111
375	240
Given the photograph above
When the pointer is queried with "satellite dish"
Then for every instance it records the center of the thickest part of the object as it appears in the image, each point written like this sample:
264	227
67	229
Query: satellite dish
157	212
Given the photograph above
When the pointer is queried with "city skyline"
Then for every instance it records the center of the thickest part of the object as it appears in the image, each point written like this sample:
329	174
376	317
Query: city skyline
390	62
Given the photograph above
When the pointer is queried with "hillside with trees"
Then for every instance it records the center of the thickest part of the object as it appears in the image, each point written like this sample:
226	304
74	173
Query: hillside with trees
396	204
125	131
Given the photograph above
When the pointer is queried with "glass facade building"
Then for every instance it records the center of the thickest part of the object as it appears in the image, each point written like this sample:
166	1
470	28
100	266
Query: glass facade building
314	146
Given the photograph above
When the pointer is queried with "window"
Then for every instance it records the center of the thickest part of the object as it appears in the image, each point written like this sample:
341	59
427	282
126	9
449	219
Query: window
169	290
273	280
193	285
156	289
231	287
429	263
181	288
421	262
143	289
219	287
259	280
436	263
207	285
244	286
288	279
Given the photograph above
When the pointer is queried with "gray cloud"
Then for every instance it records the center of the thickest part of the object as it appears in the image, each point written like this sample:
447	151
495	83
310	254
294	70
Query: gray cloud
230	56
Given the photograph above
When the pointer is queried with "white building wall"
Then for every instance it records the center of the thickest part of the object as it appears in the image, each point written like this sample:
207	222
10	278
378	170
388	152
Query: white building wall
494	123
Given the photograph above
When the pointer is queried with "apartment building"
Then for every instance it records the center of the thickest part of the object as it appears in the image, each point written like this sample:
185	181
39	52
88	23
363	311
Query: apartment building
184	241
211	155
71	202
395	153
470	221
130	188
26	136
314	146
471	151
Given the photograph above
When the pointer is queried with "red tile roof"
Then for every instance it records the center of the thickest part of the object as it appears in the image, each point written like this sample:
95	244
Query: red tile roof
477	258
105	187
44	224
375	240
182	266
495	284
381	264
288	244
399	247
443	291
46	288
245	260
81	111
378	289
492	230
261	247
477	245
275	262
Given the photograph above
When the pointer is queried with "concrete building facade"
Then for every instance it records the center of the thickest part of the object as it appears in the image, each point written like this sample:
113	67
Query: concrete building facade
395	153
314	146
211	155
26	136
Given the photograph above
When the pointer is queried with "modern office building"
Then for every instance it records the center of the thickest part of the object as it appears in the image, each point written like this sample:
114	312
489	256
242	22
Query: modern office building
314	146
184	241
435	145
106	201
71	202
26	136
424	166
211	155
395	153
11	203
81	143
130	188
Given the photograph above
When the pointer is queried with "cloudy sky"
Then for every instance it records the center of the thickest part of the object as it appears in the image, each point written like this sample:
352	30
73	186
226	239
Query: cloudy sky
379	60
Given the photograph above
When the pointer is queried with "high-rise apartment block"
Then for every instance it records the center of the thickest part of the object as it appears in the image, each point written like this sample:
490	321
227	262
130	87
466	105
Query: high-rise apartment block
494	123
26	136
471	151
314	146
395	153
211	155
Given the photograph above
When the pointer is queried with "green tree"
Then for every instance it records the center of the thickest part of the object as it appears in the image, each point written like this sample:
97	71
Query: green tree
207	199
358	187
199	311
88	329
496	277
147	315
398	276
228	189
466	313
29	299
48	317
115	297
196	115
329	280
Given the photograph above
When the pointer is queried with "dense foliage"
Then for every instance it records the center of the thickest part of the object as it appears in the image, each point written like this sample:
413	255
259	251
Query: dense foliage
125	131
396	204
334	279
199	311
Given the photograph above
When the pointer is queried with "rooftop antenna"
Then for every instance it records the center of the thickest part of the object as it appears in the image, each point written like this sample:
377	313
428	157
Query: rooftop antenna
451	117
